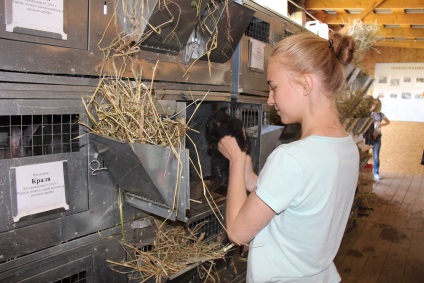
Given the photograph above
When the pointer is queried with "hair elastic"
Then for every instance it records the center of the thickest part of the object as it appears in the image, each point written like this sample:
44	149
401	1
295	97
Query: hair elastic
330	45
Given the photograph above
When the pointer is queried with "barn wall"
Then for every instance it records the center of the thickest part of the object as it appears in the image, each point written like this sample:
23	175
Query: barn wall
403	142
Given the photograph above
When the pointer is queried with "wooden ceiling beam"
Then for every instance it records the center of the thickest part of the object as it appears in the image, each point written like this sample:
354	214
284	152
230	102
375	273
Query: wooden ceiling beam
348	4
339	10
400	11
381	19
340	20
364	13
401	32
402	44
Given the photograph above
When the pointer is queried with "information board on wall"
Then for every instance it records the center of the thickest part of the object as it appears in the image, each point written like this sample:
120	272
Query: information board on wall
39	15
400	87
38	188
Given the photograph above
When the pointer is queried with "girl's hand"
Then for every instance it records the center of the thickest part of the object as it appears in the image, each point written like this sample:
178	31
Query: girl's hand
229	147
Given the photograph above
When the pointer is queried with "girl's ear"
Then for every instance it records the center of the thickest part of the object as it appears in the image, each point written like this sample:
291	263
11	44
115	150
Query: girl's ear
307	83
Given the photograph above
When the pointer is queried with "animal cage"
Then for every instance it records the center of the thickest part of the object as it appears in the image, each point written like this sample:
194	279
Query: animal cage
56	240
76	34
152	165
52	207
64	230
250	60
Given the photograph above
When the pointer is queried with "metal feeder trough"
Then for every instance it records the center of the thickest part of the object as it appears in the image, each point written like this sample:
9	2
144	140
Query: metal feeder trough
154	180
167	25
218	22
176	19
269	138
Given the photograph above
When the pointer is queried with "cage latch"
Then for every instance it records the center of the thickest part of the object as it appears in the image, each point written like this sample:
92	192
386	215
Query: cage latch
95	165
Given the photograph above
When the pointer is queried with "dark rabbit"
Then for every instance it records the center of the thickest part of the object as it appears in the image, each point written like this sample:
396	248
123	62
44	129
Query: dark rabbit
21	139
219	125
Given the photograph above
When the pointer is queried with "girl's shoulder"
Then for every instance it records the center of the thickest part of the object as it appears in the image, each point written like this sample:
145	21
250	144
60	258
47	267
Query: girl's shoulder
377	115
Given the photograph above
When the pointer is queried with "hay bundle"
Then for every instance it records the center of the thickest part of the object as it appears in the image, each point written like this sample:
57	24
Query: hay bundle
364	108
364	36
174	250
350	103
127	110
126	45
139	29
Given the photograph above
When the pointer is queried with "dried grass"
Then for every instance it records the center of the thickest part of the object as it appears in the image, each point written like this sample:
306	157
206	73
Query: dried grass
128	41
364	36
212	31
352	103
174	250
126	45
364	108
128	110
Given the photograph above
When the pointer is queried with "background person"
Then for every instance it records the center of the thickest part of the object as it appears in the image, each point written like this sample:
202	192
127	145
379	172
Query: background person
379	120
368	135
296	213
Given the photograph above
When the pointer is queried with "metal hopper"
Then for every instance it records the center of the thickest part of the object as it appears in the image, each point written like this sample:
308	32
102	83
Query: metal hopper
168	23
154	180
222	27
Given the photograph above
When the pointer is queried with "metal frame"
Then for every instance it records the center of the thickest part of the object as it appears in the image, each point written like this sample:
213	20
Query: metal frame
38	240
44	75
246	80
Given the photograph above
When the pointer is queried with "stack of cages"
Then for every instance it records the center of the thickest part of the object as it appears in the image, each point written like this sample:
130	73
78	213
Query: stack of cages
251	56
68	197
250	61
60	223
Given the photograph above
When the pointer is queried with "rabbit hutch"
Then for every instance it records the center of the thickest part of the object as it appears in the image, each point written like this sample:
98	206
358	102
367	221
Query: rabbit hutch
88	193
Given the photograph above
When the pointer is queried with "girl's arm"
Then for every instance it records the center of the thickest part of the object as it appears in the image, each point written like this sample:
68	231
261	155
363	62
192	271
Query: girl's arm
250	177
385	121
245	215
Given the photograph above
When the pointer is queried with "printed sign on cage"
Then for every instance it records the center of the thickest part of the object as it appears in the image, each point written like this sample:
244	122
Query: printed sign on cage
44	16
38	188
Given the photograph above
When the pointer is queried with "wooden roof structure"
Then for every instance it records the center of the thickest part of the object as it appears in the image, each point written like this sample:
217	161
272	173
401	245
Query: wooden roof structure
401	22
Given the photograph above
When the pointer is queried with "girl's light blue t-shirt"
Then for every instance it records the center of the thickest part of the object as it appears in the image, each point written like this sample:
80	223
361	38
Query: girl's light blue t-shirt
310	184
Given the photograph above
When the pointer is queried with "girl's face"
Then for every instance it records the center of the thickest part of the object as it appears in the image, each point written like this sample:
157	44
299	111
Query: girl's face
285	94
376	106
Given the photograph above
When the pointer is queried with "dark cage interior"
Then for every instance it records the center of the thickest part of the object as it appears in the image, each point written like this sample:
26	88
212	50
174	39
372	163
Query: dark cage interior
33	135
200	149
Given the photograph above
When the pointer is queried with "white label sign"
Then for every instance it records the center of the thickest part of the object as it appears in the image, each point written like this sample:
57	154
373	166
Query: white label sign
39	188
257	54
43	15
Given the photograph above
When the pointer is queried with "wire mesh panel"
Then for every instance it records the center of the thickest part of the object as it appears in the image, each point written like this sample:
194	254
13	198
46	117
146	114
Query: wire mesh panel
258	29
209	225
80	277
249	116
33	135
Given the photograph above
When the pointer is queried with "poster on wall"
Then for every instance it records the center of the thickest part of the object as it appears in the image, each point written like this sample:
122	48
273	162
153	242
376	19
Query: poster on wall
400	87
